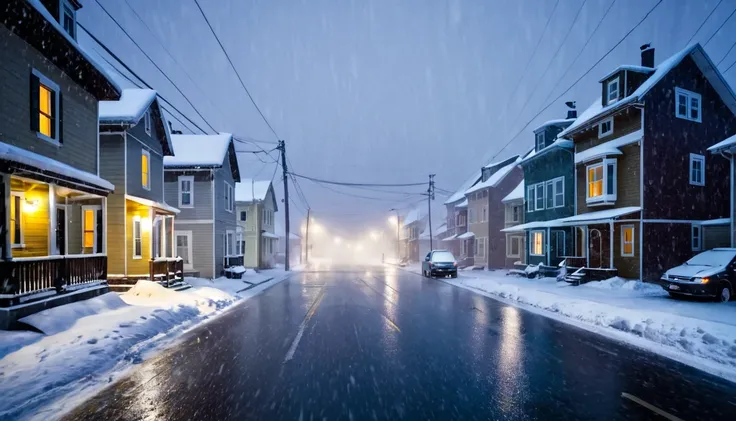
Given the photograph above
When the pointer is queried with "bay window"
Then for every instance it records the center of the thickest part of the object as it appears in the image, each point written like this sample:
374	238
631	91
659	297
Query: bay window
601	182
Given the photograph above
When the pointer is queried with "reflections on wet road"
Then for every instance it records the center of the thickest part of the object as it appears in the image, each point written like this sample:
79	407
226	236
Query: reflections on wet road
511	381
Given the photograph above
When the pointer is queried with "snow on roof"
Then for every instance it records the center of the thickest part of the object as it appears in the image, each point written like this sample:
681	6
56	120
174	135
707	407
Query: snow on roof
414	215
495	178
130	108
559	143
723	145
604	215
270	235
702	61
460	193
36	4
148	202
466	235
194	150
516	193
719	221
528	225
608	148
441	229
248	190
44	163
557	122
450	238
463	204
631	68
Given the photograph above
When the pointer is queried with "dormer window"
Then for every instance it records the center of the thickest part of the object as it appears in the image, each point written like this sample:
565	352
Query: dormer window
486	174
540	141
68	18
605	127
612	91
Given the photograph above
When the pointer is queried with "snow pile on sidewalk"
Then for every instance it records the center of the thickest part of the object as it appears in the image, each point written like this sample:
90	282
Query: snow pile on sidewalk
702	334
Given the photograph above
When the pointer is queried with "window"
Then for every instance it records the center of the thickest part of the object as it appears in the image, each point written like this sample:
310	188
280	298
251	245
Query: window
605	127
540	196
513	246
471	220
16	219
550	192
627	240
688	105
137	241
89	229
558	239
229	199
537	243
697	169
540	140
480	246
243	215
601	182
230	243
485	214
68	18
146	169
147	122
516	214
559	188
241	247
530	199
186	191
612	91
697	243
46	102
465	247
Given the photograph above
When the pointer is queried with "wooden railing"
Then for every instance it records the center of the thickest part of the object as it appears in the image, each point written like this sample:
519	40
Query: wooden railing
575	262
166	271
50	274
230	261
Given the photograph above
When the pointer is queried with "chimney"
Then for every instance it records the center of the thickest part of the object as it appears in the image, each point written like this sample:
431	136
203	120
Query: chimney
572	112
647	55
171	129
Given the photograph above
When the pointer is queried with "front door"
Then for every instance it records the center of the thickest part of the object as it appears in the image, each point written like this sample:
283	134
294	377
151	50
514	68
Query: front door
184	247
595	249
60	230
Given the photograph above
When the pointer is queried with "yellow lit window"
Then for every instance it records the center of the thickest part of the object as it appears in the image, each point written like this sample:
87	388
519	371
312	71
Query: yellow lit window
44	110
145	169
16	236
627	240
537	243
595	181
89	228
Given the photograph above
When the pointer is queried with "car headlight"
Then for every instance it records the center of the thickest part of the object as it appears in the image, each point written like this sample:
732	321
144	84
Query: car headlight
665	276
701	280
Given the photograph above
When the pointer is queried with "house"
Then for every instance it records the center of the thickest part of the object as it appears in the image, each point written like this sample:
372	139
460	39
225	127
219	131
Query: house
199	179
514	216
645	186
486	211
52	216
134	139
438	232
413	226
457	224
549	186
255	207
716	233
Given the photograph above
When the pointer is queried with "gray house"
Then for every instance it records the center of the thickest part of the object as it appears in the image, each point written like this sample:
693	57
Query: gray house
200	180
134	138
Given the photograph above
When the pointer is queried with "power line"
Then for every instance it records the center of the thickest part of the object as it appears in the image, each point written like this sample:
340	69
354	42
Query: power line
719	28
729	67
234	69
382	199
727	53
339	183
703	23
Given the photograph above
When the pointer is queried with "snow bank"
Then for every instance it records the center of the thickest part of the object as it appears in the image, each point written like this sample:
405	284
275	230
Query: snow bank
61	318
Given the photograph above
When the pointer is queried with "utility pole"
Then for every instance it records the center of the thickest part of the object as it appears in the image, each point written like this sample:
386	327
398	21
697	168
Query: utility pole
306	252
282	148
430	197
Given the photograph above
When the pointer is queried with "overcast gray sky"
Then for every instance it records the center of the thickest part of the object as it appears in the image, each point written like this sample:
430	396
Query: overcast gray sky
387	91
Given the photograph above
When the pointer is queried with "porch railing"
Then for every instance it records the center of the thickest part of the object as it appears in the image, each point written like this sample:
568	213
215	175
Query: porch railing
575	261
166	271
234	260
24	277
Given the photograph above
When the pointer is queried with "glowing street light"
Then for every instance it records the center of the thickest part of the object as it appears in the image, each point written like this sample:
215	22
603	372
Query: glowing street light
338	240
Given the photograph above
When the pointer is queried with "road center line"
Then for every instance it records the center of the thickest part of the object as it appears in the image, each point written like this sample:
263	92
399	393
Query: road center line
651	407
303	325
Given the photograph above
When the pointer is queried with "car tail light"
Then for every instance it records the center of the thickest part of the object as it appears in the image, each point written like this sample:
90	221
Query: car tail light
454	264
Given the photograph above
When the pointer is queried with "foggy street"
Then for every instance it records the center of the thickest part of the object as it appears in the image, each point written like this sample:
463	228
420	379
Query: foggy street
381	343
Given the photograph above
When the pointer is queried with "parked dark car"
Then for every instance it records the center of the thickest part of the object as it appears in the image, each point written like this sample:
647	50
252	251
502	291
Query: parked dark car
439	262
711	274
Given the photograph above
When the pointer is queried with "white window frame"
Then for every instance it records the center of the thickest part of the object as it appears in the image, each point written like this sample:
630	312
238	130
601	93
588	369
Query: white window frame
564	242
689	95
470	216
94	209
601	132
538	196
609	98
147	121
147	153
19	217
137	221
50	84
516	217
478	242
530	198
465	248
243	213
510	238
484	214
605	197
696	241
68	5
693	159
549	185
188	235
531	242
539	140
189	178
230	243
229	197
558	192
633	240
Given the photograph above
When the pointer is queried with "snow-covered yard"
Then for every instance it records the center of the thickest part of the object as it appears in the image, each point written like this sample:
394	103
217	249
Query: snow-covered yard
698	333
87	344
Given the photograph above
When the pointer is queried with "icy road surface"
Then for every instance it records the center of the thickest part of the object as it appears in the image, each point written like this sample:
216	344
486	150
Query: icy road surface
375	343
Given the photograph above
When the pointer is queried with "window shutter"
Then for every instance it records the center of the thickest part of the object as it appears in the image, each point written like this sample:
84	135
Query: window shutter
60	116
34	92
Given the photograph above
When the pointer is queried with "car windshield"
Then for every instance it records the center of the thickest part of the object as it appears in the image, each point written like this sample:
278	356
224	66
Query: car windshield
443	256
713	258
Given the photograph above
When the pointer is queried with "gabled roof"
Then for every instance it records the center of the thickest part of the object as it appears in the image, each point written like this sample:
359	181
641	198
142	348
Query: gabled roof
701	59
559	143
249	190
198	151
414	215
630	68
496	178
558	122
129	110
516	194
459	195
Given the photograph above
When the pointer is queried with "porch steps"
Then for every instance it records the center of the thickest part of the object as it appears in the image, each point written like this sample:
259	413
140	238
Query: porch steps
576	278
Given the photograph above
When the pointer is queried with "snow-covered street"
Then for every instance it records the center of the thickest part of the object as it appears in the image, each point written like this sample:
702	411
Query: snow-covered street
87	344
698	333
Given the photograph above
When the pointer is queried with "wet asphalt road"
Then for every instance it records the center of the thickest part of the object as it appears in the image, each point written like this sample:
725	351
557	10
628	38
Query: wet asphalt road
374	343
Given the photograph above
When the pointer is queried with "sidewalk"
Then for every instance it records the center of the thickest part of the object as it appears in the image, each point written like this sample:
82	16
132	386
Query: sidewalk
698	333
85	345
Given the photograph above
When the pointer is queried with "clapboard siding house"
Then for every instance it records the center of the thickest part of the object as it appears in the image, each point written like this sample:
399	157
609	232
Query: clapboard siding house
514	216
53	208
134	139
199	180
255	206
457	224
645	185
